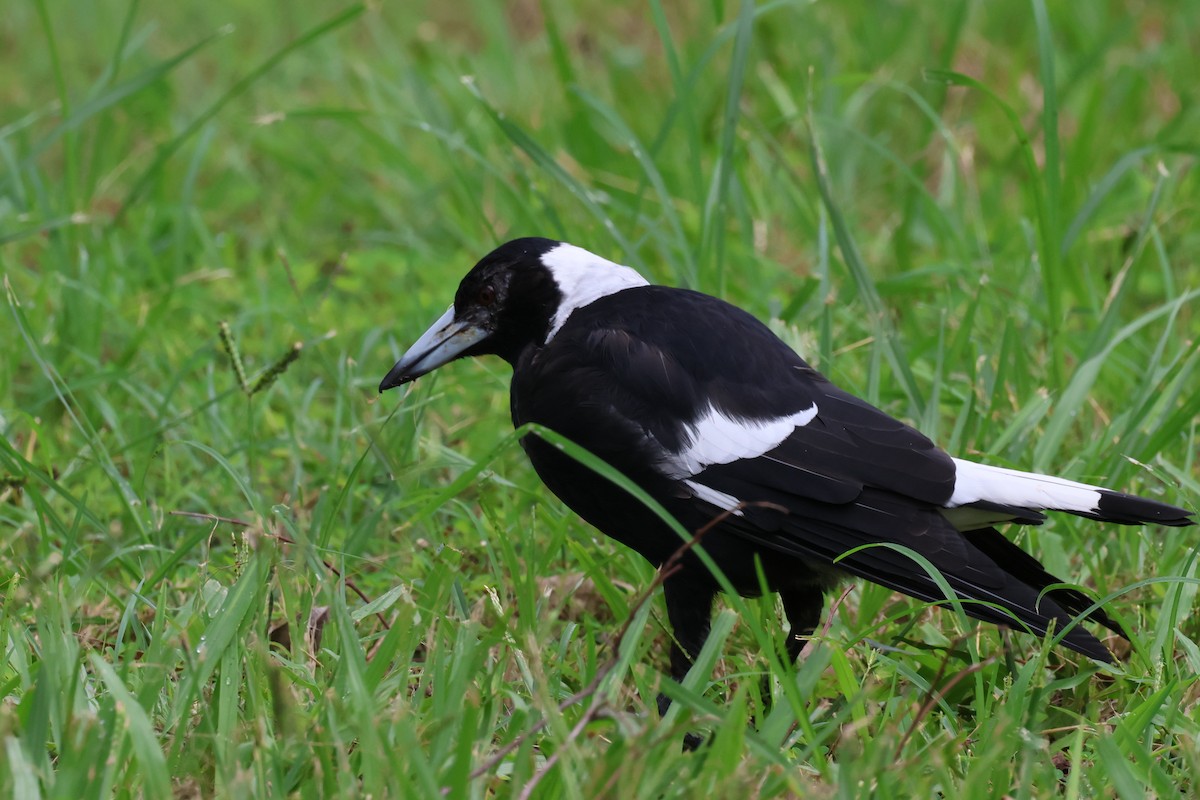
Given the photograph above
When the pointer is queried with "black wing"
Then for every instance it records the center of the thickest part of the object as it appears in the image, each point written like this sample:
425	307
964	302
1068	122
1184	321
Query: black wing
850	477
663	357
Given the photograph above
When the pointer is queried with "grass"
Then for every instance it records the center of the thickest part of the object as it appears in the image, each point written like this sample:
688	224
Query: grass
983	217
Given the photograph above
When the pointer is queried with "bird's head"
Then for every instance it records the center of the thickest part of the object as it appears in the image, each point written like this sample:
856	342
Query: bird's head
517	296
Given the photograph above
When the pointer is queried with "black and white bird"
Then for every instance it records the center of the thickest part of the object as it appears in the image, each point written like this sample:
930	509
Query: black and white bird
704	408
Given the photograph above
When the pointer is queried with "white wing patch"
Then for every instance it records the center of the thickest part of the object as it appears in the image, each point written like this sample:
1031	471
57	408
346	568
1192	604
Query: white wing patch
584	278
718	499
974	482
716	438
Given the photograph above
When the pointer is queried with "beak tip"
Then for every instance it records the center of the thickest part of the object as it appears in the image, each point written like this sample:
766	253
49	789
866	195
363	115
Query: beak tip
445	341
392	380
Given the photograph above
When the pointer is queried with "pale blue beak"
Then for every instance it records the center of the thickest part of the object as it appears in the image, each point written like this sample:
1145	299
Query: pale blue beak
446	340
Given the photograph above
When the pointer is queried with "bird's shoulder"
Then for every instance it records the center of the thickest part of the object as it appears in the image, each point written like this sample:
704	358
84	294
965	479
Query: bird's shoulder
686	349
725	398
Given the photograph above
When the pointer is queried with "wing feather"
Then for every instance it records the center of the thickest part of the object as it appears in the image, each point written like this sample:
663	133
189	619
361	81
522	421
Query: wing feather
849	475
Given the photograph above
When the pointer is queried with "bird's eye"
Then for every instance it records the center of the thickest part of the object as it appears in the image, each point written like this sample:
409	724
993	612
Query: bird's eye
486	295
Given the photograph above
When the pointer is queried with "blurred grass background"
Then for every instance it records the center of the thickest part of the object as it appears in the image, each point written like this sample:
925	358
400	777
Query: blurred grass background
981	216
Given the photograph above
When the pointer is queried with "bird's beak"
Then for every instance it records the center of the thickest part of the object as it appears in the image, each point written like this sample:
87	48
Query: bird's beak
446	340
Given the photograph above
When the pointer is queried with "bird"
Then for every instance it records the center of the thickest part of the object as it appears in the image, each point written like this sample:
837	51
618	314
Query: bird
796	484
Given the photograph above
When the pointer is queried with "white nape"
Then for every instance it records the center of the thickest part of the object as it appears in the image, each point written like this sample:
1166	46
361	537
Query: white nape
974	482
716	438
584	278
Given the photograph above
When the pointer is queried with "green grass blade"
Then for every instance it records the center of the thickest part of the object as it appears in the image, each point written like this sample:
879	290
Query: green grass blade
168	149
141	735
716	203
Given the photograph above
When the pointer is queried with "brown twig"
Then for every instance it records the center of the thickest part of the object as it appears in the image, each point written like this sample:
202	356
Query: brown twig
576	732
935	695
212	518
833	607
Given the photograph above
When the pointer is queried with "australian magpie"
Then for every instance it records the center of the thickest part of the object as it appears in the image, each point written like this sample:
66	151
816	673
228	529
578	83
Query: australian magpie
711	414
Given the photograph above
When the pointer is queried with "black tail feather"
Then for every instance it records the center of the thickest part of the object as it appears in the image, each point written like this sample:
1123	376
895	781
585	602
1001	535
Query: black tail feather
1027	569
1021	605
1008	586
1128	509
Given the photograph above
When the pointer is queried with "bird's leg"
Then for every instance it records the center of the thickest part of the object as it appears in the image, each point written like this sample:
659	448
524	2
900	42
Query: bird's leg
803	609
689	609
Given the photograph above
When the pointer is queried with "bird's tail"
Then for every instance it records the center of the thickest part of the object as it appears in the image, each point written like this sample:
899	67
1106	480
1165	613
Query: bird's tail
1027	569
1028	491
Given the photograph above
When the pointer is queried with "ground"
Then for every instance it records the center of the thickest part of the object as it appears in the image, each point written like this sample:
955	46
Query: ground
981	216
